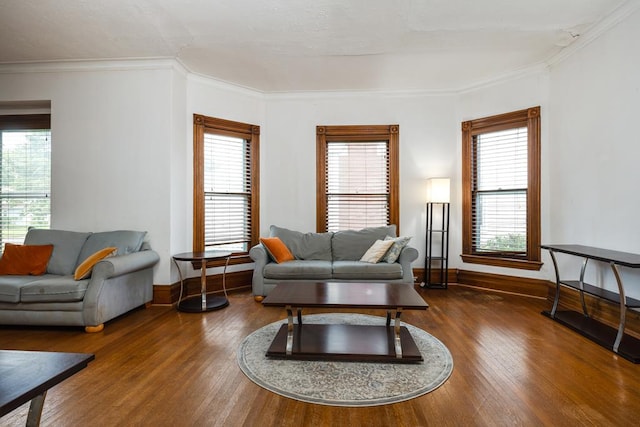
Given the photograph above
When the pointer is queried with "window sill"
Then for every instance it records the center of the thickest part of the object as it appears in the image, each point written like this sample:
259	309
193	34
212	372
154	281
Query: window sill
502	262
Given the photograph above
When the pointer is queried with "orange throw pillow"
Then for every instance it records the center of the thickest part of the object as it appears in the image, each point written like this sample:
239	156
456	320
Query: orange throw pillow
25	259
277	249
84	269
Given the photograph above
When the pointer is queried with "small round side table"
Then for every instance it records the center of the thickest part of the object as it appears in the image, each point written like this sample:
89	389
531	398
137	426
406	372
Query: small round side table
203	302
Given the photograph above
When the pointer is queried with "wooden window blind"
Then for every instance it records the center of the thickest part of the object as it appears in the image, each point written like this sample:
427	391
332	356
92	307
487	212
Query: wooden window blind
227	193
225	185
501	190
357	185
25	175
357	177
499	200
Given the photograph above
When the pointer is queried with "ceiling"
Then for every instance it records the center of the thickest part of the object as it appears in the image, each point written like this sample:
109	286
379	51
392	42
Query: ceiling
307	45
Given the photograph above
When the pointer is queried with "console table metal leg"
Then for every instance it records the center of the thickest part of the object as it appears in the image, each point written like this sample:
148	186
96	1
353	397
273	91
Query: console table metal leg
289	348
224	276
396	330
181	280
203	286
623	308
35	410
552	314
582	270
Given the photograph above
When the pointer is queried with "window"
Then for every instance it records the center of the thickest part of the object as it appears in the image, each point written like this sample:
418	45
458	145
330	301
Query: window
357	177
501	190
25	175
225	184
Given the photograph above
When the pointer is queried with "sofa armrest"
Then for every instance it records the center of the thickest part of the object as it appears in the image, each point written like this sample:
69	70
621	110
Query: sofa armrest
118	284
407	256
123	264
259	254
260	257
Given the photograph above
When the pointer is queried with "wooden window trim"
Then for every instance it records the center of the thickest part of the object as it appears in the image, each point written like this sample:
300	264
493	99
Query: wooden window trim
531	119
201	124
354	133
25	121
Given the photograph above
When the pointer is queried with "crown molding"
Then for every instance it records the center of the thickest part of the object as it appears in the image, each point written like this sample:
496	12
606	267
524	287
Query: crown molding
536	69
224	85
595	31
122	64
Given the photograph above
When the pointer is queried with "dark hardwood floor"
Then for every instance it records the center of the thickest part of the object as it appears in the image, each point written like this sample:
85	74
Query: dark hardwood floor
159	367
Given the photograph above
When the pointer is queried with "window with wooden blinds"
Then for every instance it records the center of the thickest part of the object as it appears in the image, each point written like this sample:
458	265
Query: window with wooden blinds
357	184
357	177
225	185
25	175
227	193
501	190
499	200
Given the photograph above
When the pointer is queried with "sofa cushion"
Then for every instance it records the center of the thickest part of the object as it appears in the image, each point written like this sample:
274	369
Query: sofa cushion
66	248
298	269
25	259
61	288
126	241
358	270
350	245
10	287
308	246
276	249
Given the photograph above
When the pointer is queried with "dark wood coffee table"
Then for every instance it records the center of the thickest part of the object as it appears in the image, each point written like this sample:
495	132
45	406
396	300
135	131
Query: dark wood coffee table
371	343
27	375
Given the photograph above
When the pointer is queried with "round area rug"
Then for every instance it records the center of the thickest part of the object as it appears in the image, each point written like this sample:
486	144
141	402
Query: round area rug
345	383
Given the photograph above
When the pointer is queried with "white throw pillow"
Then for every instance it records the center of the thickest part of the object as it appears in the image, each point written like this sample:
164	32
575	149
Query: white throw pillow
375	253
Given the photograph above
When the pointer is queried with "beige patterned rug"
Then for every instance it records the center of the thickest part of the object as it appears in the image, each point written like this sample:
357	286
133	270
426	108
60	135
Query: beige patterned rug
345	383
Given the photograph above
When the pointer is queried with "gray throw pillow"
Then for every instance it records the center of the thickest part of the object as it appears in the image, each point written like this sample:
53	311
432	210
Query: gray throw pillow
394	252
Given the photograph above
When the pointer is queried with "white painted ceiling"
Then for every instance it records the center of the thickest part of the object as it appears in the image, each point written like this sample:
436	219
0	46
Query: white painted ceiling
307	45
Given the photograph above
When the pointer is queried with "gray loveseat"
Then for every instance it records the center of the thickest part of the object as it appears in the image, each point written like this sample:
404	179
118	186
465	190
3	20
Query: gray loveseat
331	256
117	284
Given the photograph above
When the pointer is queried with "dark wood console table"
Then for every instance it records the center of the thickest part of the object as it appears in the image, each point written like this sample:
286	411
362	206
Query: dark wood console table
28	375
611	338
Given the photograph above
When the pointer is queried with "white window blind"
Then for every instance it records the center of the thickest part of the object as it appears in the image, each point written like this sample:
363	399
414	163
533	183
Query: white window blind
499	192
227	193
357	184
25	183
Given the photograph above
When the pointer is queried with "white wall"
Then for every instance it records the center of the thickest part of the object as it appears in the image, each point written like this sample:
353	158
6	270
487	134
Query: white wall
427	149
211	98
517	93
111	131
594	148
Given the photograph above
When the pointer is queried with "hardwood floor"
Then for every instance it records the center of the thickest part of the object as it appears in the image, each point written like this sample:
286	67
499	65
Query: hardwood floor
159	367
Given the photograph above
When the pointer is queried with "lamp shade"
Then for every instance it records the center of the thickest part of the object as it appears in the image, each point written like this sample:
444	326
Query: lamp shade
438	190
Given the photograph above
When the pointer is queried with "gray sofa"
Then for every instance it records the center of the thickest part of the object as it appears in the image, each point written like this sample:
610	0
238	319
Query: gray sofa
117	284
331	256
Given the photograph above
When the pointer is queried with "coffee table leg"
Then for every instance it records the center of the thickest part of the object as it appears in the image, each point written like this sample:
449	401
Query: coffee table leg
289	348
396	327
35	410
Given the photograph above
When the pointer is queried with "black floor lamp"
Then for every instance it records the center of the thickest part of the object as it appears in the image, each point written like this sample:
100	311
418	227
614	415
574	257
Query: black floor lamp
437	234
